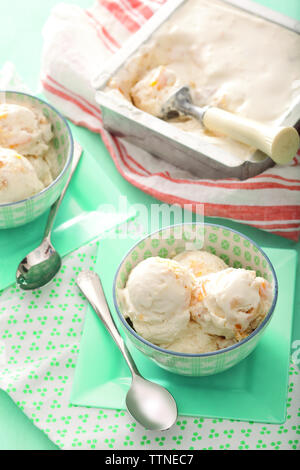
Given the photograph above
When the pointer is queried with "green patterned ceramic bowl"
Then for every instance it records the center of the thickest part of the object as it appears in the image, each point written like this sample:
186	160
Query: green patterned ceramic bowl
21	212
237	251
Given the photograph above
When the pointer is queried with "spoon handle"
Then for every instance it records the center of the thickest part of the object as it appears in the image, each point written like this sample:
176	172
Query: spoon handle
55	206
90	285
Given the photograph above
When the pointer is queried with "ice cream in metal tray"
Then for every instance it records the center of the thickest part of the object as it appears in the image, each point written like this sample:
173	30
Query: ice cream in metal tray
229	58
194	303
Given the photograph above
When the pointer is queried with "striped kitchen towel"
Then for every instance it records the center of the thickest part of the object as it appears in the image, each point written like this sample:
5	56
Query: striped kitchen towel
77	43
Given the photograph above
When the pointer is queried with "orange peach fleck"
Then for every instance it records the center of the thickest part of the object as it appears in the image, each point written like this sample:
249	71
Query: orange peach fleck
234	303
203	292
3	183
262	288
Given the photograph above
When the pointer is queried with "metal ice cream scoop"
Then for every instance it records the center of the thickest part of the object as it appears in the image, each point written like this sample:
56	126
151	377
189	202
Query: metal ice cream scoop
147	402
279	143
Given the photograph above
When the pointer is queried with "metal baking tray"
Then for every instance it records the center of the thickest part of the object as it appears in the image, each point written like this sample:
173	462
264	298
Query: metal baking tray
184	150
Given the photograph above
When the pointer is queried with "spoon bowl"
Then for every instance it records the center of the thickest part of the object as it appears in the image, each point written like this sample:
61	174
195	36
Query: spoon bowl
39	267
150	404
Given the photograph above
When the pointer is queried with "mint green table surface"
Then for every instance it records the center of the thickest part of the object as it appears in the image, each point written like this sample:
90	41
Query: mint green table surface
21	43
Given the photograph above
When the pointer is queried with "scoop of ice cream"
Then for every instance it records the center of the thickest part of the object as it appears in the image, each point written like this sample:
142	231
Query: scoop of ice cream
153	90
42	169
18	178
53	162
200	262
194	340
24	129
157	298
231	302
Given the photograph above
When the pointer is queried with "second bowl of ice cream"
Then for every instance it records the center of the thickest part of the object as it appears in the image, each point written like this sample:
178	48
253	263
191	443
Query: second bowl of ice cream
36	149
195	298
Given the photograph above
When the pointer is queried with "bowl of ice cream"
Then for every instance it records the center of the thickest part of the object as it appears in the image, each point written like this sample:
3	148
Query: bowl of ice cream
36	150
195	298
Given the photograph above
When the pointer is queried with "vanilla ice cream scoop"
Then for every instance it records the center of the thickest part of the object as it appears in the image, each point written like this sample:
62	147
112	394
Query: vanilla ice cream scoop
194	340
157	299
200	262
231	302
153	89
18	178
24	129
42	169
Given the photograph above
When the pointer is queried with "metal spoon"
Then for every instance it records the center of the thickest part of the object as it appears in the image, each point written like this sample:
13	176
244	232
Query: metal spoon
147	402
41	264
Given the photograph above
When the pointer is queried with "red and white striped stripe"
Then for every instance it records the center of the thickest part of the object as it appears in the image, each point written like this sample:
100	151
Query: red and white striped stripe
270	201
103	33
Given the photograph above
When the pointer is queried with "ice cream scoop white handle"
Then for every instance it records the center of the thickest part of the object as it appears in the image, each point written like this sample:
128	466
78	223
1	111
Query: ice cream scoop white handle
279	143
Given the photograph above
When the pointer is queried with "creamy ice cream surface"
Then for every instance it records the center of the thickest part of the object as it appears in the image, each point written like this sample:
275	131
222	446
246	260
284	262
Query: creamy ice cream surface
200	262
18	179
28	160
24	129
230	302
194	340
221	53
154	89
157	299
194	303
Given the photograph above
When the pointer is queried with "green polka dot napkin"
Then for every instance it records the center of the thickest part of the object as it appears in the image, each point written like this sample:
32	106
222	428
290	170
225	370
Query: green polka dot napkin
39	342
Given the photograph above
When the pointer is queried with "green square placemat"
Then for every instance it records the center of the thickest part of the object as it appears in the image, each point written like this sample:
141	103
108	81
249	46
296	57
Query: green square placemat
254	390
